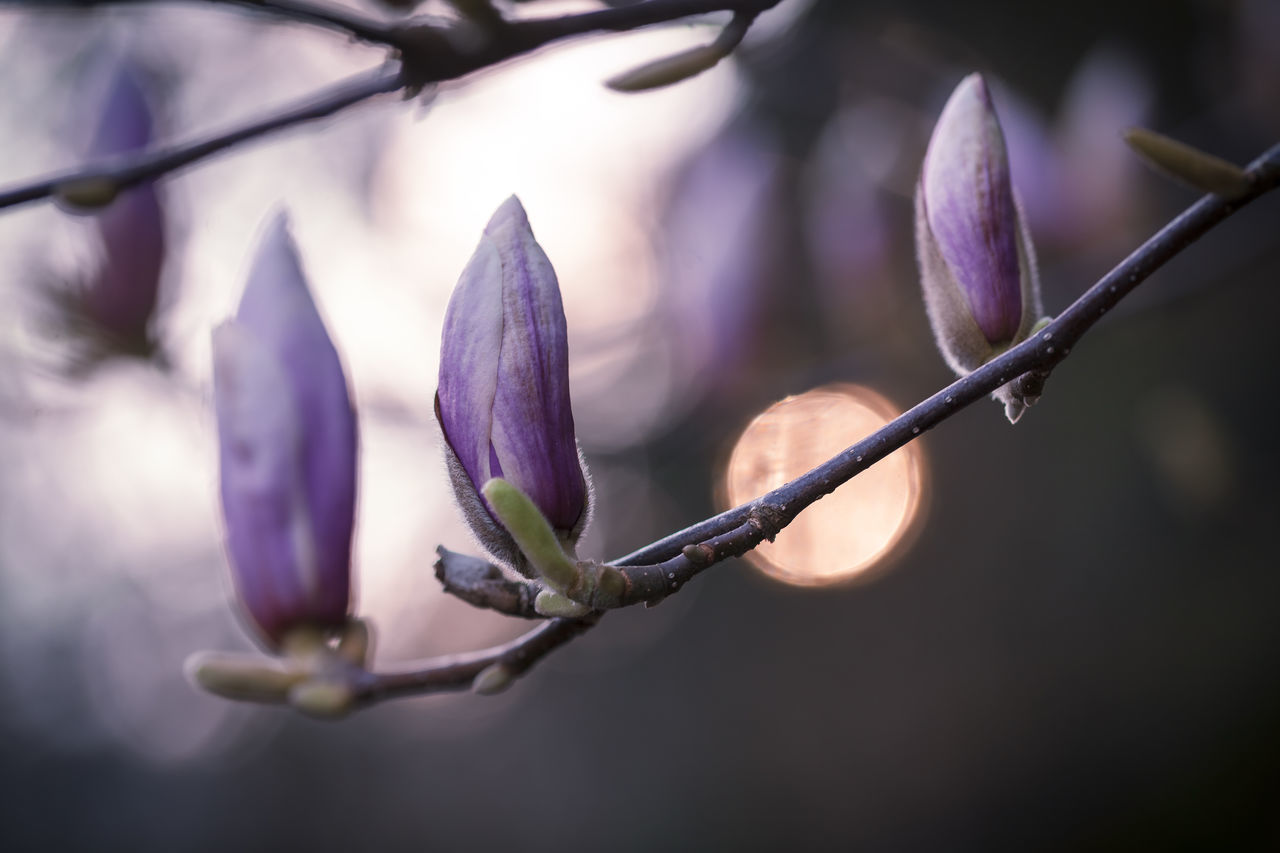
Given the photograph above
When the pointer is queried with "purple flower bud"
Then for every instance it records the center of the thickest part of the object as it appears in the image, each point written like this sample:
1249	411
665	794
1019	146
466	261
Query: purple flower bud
503	400
122	294
977	265
287	441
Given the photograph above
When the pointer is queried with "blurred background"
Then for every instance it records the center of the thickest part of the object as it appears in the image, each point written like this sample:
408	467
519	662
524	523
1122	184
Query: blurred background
1055	636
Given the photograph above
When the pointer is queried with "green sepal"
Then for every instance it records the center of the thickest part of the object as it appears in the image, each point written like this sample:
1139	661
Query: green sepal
554	605
532	533
324	699
1188	164
242	677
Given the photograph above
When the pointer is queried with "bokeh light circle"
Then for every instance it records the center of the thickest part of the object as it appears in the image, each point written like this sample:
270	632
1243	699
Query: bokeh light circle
860	525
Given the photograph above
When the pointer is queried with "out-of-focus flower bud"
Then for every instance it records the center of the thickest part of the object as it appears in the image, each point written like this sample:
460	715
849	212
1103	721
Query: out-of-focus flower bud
503	399
287	442
977	265
121	295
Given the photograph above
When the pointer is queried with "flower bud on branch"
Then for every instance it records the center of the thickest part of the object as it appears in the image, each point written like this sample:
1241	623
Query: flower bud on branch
287	440
123	294
503	399
977	265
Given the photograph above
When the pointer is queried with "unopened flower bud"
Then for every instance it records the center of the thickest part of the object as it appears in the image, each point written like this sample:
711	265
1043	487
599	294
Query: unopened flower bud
120	294
977	265
287	440
503	399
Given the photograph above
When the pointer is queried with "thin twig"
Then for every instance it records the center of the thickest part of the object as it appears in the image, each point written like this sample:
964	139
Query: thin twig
664	567
1033	360
331	17
482	584
635	16
433	53
123	172
302	11
429	53
458	672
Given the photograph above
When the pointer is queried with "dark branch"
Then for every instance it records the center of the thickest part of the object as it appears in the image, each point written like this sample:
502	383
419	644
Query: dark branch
126	171
429	53
317	14
732	532
458	672
434	53
482	584
330	17
624	18
664	567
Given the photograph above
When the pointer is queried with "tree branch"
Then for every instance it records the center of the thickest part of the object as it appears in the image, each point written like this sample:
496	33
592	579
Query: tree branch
735	531
459	672
482	584
664	567
429	53
302	11
123	172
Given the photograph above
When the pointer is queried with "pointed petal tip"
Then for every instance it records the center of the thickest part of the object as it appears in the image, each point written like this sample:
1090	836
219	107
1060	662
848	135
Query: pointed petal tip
976	81
125	121
510	213
276	267
974	86
277	226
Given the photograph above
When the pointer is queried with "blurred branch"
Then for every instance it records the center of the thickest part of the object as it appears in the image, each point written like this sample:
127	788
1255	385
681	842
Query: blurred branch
331	17
428	53
687	63
123	172
302	11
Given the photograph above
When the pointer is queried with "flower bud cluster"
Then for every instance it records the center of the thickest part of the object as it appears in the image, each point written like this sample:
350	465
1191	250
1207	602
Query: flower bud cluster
287	430
287	433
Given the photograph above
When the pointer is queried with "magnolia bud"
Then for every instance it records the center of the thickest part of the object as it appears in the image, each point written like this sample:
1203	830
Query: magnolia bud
118	298
287	440
503	399
977	265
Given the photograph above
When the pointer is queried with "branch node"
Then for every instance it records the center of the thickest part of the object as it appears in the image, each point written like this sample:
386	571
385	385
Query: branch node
699	555
769	519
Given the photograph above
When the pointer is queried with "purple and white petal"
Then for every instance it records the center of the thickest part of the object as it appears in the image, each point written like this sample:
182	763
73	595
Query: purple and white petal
470	348
270	533
503	399
287	440
970	210
533	433
278	309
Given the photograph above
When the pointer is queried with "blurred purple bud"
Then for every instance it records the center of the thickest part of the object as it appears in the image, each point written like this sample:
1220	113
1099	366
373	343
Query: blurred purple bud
122	294
126	123
1108	92
976	262
722	244
287	442
1036	165
503	399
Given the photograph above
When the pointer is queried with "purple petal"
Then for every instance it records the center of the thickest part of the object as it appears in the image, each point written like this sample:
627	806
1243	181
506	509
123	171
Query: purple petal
470	347
970	209
126	123
504	374
123	293
277	310
270	532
